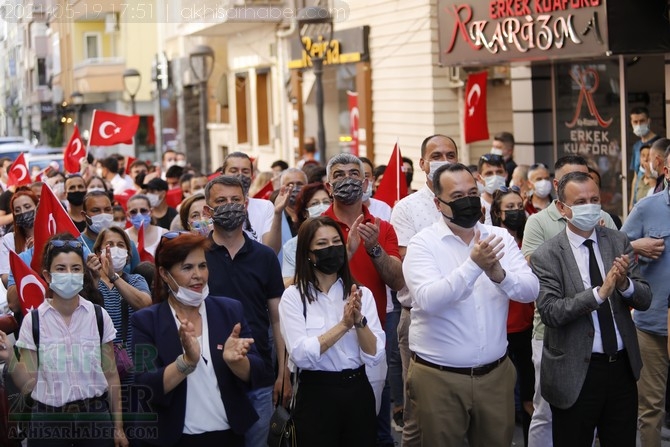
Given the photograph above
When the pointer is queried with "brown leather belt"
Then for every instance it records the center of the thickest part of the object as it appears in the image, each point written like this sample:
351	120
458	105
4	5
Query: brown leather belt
472	372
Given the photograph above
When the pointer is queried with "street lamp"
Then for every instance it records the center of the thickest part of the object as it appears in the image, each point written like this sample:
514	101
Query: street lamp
316	51
132	79
77	99
201	60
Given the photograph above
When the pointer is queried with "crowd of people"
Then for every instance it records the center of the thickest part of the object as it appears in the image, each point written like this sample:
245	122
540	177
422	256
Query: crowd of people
495	294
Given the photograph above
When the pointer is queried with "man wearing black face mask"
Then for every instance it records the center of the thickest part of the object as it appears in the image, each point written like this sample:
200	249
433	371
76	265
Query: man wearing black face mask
75	187
461	275
293	179
246	270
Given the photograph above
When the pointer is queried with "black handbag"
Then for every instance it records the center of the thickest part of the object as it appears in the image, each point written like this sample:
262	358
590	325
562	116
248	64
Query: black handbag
282	428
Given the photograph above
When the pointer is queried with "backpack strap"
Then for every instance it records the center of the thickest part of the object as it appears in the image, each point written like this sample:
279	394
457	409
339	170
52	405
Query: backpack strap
98	319
36	333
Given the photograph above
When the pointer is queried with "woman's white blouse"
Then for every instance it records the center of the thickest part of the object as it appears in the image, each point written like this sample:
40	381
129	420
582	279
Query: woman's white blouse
301	333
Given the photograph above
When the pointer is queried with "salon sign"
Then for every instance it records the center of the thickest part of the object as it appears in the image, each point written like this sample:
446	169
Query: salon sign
479	32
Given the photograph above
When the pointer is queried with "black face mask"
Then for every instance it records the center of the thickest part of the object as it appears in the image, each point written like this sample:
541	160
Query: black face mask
229	216
348	190
246	183
514	219
467	211
329	260
25	220
76	197
293	196
409	175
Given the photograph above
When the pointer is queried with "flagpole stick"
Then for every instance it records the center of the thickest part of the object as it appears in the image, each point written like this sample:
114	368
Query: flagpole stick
90	132
397	179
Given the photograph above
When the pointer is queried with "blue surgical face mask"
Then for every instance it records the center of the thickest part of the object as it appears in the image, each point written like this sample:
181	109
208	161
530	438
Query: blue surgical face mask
140	219
586	216
67	285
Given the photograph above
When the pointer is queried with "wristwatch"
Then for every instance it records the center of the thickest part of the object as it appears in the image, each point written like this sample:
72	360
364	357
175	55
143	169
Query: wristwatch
361	324
375	251
114	278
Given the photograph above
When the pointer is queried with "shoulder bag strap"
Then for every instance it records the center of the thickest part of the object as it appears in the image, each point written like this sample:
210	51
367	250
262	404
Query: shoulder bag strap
36	333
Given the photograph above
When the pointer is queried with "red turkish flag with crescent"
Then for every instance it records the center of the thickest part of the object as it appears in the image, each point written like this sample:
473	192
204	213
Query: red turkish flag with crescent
109	128
476	126
29	285
51	218
74	152
18	172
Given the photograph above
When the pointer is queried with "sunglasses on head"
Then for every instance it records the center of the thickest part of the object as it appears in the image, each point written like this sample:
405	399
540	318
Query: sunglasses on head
492	158
173	234
506	189
143	211
60	244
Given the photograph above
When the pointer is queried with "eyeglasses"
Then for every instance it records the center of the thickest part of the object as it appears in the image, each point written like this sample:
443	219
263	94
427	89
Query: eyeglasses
495	158
60	244
143	211
173	234
506	189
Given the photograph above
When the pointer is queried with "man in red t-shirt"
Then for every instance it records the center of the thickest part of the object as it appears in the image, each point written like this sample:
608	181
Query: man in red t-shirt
372	243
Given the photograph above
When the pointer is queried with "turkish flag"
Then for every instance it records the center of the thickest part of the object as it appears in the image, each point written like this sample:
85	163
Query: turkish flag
173	197
476	126
51	218
29	285
393	186
18	172
145	256
74	152
265	191
109	128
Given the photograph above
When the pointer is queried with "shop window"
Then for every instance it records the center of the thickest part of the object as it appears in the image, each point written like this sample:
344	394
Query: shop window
92	45
263	107
241	108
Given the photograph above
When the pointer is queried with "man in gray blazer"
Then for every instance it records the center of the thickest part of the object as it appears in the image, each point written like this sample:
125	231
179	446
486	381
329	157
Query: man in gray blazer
591	359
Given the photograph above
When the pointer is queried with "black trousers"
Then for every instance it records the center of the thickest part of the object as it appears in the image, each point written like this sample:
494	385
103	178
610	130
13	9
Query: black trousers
332	410
607	402
226	438
520	350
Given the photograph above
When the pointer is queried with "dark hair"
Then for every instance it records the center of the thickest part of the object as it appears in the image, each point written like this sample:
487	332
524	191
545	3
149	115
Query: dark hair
496	218
111	163
174	172
279	163
74	176
640	110
185	209
367	161
504	137
305	196
235	155
186	177
225	180
147	270
168	151
20	233
408	161
453	167
138	163
569	160
315	173
379	170
424	143
97	245
304	269
595	171
102	180
492	160
171	252
90	290
92	194
577	177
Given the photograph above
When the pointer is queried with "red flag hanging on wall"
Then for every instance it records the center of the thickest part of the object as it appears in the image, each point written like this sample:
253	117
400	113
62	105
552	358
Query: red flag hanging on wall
393	186
30	287
476	122
74	152
353	120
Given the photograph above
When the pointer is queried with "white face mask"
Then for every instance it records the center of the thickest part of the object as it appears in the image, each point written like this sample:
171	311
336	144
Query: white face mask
496	151
100	222
198	191
154	199
641	130
67	285
187	296
493	182
181	163
119	258
434	165
317	210
368	192
95	188
58	188
653	173
586	216
98	172
542	188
